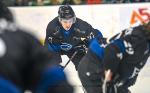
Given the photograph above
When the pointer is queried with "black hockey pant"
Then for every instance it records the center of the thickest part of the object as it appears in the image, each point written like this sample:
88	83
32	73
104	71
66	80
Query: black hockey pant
90	73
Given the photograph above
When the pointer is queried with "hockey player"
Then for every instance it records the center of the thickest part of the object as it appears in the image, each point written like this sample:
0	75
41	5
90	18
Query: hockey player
124	57
24	63
67	34
121	61
90	69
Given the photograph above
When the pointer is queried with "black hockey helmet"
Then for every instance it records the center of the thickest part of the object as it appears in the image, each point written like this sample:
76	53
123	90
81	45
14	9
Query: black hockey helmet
66	12
5	13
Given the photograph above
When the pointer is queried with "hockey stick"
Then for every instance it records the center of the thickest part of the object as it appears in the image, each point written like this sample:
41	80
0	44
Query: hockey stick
70	59
104	86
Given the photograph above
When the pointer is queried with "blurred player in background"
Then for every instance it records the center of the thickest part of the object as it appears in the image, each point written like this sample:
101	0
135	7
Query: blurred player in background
24	63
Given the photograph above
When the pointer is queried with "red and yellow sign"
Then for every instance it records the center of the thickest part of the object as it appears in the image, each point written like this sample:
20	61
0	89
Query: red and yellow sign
142	15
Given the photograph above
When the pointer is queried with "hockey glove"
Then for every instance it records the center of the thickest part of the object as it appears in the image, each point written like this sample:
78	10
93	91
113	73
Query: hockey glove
84	40
110	84
114	87
80	48
111	88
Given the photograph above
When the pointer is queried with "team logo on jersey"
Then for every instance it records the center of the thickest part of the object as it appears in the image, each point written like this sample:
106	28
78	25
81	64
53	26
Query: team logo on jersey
65	46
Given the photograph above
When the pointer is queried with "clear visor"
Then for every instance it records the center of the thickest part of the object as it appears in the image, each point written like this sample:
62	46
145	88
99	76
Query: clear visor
70	20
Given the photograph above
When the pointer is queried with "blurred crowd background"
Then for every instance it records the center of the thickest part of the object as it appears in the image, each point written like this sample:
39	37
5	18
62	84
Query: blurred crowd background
71	2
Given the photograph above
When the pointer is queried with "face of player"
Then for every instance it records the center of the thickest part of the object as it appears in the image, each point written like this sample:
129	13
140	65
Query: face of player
67	23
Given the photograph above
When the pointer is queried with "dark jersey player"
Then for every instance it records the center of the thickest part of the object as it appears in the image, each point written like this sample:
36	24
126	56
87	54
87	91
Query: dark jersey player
90	69
67	34
121	61
124	58
24	63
